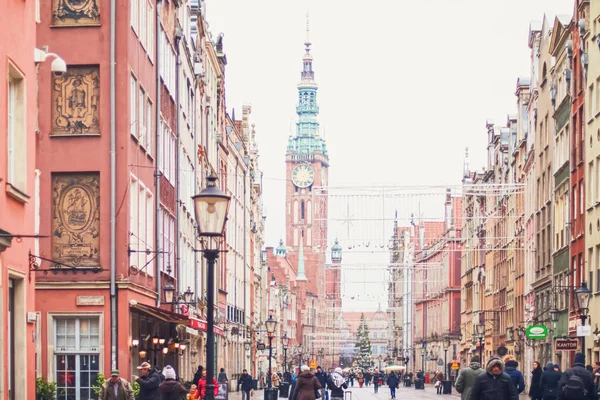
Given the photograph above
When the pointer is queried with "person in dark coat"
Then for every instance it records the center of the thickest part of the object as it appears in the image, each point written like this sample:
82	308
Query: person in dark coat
579	370
336	383
549	382
322	377
535	391
494	384
510	367
245	381
170	389
393	381
148	381
198	375
222	376
307	385
293	382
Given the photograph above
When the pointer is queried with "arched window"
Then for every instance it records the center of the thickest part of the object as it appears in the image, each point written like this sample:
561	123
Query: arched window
309	211
296	211
302	210
544	72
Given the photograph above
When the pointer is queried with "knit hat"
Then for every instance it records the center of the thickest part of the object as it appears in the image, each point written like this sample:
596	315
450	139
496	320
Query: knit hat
580	358
338	370
557	366
304	368
549	366
169	372
475	358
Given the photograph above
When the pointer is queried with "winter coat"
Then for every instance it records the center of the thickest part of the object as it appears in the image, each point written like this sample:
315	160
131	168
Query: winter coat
466	379
197	376
393	381
246	382
549	382
201	392
292	388
191	395
535	390
222	377
515	375
494	387
322	377
337	384
170	389
124	392
306	386
376	378
149	386
579	370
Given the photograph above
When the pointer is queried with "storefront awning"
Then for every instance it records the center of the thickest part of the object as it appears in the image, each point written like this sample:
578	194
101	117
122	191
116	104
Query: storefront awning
162	314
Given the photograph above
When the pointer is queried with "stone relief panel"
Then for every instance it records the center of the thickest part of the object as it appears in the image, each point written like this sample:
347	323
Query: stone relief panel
75	13
76	102
76	219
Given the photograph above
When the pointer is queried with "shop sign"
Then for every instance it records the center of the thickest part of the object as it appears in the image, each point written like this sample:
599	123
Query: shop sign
566	344
536	332
202	325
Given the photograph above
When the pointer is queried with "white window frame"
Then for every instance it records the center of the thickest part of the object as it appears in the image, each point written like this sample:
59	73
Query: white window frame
51	335
134	15
16	135
133	108
142	116
149	113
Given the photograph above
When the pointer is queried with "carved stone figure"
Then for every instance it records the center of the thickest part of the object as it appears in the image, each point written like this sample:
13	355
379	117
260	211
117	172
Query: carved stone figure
75	13
76	102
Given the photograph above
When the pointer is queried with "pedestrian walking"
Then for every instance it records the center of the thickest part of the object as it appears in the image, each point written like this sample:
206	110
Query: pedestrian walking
336	383
352	379
198	375
466	378
549	382
245	382
322	377
293	385
420	381
393	381
307	385
576	382
494	384
511	365
149	380
116	388
439	378
222	376
201	392
376	378
361	379
170	389
535	391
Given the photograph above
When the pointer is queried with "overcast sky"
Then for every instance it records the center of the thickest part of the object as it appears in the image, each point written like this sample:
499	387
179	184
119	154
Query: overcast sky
404	86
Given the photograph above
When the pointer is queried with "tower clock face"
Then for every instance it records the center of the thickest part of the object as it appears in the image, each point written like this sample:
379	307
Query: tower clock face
303	176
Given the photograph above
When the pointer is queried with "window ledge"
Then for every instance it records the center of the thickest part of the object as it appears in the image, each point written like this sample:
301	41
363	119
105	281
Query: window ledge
17	194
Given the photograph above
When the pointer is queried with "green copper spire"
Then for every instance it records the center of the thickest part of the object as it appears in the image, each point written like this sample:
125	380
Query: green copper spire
307	139
301	276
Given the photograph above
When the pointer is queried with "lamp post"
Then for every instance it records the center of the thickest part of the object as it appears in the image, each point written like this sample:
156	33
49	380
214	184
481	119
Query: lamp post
447	344
271	324
211	206
285	341
480	331
583	295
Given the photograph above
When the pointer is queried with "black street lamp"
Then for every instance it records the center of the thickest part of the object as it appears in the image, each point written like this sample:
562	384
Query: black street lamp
285	341
583	295
447	344
271	324
480	333
211	206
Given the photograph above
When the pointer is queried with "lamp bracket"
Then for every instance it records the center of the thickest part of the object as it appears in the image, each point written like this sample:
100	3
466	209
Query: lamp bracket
35	263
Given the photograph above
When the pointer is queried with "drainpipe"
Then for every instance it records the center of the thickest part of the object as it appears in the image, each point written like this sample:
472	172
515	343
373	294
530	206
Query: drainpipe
157	174
113	186
235	237
197	164
177	164
245	264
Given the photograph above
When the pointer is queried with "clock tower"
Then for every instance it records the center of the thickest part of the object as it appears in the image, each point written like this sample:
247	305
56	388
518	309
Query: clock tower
307	162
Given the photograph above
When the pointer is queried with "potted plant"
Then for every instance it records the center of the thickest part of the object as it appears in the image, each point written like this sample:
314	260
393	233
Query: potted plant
45	390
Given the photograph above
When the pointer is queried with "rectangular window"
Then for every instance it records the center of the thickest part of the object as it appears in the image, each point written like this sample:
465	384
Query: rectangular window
141	231
17	131
167	240
133	15
133	105
76	357
590	185
143	24
597	194
142	117
151	45
149	132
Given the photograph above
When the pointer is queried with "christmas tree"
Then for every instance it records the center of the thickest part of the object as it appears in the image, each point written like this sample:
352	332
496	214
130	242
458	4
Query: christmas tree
362	348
